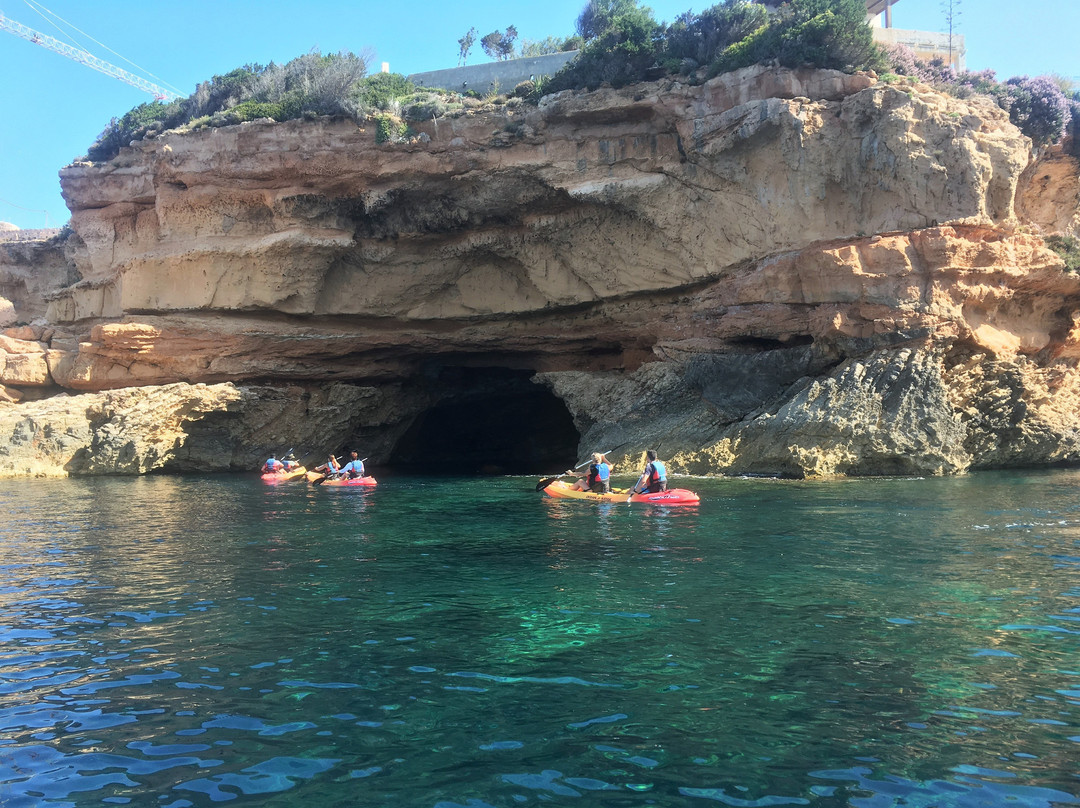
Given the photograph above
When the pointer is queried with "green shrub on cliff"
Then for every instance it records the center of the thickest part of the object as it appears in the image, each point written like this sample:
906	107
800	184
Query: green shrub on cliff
622	42
625	44
699	39
381	90
809	33
309	85
1069	250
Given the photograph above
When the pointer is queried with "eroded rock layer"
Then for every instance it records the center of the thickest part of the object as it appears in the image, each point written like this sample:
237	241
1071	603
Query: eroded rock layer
775	272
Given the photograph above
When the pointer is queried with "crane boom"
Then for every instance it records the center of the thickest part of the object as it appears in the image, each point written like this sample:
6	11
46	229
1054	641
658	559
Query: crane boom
83	57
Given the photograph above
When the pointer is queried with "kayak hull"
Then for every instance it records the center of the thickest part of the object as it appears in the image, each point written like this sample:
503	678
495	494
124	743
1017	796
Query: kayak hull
673	496
272	477
358	482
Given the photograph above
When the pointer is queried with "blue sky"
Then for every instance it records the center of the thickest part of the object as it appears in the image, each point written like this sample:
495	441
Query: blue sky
54	108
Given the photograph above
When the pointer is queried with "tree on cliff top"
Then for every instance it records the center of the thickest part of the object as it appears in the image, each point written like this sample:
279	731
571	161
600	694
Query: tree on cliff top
694	40
619	54
465	45
499	45
809	33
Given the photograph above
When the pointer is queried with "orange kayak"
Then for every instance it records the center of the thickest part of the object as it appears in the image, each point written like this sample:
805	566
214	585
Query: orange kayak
345	482
281	476
673	496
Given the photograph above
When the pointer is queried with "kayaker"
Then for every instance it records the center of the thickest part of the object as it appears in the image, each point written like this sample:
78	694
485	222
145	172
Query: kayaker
598	478
354	468
273	466
330	468
654	477
291	464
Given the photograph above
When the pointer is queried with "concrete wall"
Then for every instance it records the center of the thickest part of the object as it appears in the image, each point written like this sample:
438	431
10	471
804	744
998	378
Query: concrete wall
486	77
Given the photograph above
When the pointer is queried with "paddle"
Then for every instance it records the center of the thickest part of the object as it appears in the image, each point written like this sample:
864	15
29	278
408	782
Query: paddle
544	483
633	490
320	480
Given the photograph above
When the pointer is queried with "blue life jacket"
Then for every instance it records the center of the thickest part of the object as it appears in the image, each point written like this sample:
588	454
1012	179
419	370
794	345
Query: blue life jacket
656	471
354	468
273	464
599	472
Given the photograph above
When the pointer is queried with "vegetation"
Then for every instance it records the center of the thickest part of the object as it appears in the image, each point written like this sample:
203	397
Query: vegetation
499	45
465	45
1038	106
548	45
624	43
809	33
620	43
1069	250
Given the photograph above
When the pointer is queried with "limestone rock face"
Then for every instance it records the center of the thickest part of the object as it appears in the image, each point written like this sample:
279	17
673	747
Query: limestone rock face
176	427
785	272
1049	193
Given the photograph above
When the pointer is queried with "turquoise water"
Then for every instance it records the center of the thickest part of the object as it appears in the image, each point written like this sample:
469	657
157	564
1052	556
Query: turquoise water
436	642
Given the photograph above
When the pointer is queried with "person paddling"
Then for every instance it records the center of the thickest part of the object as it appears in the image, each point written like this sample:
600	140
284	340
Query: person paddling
354	468
598	478
330	468
654	478
273	466
291	463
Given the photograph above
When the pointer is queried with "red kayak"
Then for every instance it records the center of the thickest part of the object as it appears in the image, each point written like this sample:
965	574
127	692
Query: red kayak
346	482
673	496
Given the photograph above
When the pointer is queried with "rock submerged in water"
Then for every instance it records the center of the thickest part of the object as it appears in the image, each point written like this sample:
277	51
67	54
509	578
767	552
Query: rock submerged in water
748	274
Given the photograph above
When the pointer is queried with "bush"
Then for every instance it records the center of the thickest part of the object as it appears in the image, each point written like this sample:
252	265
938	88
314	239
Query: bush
309	85
809	33
525	88
253	110
424	106
1069	250
702	38
619	55
1037	106
389	129
380	90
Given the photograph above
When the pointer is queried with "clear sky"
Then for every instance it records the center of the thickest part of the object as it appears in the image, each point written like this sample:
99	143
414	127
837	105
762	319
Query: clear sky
54	108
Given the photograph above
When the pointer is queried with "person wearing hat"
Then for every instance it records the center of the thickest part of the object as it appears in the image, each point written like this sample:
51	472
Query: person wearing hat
291	463
598	478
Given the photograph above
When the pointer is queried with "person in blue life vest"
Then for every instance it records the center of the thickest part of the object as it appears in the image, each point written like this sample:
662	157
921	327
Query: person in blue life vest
273	466
654	477
330	468
354	468
598	478
291	463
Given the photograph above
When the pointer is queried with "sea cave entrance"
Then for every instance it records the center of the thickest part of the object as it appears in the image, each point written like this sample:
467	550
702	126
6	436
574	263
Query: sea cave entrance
487	421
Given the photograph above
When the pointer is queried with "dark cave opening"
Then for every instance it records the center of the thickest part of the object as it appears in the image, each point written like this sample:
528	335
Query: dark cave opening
488	421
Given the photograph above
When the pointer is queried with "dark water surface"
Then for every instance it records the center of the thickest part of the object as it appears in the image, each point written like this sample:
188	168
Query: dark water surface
205	640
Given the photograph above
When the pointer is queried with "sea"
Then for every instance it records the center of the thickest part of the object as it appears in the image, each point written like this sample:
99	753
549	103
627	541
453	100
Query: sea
447	642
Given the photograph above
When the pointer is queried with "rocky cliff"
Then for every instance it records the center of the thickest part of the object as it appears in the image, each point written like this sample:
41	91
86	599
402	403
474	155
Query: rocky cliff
776	272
